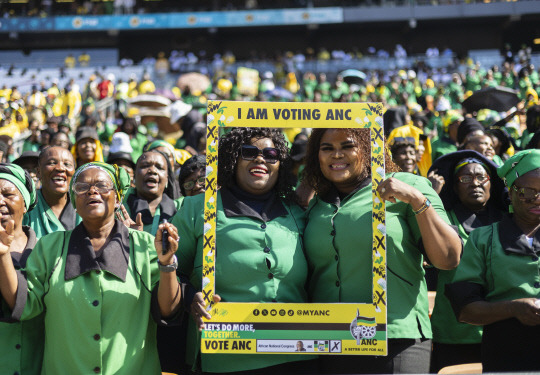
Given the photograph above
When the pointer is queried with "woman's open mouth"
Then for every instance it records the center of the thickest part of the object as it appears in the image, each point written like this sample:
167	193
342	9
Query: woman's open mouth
258	171
151	181
94	202
59	180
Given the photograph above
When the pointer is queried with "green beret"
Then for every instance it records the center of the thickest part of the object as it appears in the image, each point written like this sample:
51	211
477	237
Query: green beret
519	164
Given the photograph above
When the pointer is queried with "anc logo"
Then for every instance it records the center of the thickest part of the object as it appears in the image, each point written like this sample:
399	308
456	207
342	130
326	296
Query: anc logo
363	328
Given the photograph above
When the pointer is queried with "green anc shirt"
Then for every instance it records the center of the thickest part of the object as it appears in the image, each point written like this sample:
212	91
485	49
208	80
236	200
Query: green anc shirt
504	272
153	226
95	322
446	328
257	261
43	220
338	241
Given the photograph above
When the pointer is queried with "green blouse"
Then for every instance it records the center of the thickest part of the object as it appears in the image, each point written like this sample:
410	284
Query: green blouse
446	328
152	226
501	262
257	260
97	311
338	240
43	220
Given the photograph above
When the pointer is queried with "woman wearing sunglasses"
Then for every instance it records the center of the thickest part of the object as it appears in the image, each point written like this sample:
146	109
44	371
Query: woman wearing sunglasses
98	285
259	246
152	199
497	284
473	195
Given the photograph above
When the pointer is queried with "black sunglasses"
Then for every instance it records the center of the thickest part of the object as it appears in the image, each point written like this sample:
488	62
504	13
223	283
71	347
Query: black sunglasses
269	154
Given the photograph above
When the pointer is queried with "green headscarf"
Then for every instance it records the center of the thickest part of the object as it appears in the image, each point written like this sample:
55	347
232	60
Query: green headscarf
161	143
119	177
519	164
22	181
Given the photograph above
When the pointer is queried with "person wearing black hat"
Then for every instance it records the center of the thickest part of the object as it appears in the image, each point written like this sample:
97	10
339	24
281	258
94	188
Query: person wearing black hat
468	127
29	162
152	198
497	283
473	196
502	141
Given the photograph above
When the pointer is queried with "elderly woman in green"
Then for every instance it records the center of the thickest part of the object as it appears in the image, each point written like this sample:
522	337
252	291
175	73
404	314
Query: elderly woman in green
474	196
497	284
54	211
21	346
98	285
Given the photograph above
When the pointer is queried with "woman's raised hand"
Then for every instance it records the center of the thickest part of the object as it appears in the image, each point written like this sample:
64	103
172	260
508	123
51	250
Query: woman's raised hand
392	189
123	216
198	309
6	237
437	181
171	243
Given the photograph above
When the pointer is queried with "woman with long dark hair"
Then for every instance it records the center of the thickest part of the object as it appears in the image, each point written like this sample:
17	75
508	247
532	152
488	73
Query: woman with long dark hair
339	241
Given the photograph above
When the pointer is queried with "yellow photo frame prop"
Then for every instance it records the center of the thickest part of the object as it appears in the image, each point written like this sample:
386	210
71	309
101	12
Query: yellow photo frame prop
295	328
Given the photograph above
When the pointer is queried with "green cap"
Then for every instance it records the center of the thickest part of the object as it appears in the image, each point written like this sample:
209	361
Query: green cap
519	164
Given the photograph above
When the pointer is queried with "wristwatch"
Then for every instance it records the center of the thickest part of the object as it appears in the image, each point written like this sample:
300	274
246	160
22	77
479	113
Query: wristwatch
169	267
